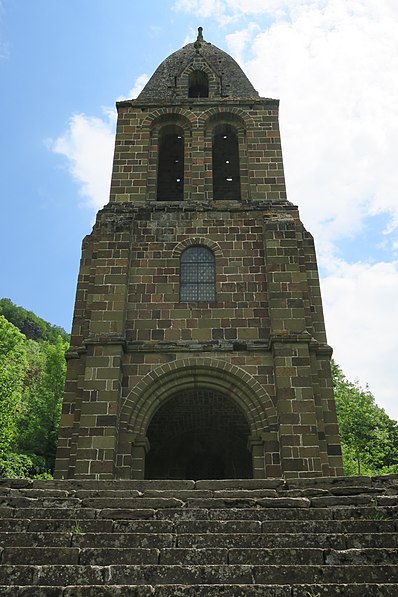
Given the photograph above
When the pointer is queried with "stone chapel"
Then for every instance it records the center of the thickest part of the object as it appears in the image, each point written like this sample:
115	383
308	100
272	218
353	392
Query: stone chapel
198	346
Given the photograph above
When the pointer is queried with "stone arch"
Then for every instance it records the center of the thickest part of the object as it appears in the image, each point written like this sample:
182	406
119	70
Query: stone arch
238	122
157	386
214	83
226	118
217	114
164	115
167	381
200	64
159	121
197	240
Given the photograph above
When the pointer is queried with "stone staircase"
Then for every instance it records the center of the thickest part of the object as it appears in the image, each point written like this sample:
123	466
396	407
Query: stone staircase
232	538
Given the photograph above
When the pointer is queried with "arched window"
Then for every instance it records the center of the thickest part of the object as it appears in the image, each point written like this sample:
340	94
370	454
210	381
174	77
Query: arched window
197	274
198	84
171	164
226	170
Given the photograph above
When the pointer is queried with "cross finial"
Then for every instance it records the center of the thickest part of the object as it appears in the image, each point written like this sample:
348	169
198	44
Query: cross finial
199	39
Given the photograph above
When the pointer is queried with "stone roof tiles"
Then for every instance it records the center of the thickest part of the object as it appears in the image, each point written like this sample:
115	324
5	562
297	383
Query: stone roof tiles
233	81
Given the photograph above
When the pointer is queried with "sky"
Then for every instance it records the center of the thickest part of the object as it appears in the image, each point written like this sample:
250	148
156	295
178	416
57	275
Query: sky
332	63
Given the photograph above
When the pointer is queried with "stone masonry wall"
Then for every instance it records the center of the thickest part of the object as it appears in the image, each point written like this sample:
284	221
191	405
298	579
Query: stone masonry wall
134	324
135	160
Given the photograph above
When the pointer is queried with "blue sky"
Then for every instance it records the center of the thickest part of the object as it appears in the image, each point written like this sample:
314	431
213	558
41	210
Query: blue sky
332	63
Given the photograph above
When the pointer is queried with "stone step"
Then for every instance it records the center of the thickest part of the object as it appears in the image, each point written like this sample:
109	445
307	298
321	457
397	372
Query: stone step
234	574
96	556
320	526
21	498
225	538
281	514
137	539
361	556
330	526
287	556
81	525
164	509
85	591
330	590
266	541
35	513
214	590
331	484
245	514
156	540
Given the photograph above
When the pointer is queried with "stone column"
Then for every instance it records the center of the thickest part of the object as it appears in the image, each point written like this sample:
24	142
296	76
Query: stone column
139	449
289	343
90	422
256	447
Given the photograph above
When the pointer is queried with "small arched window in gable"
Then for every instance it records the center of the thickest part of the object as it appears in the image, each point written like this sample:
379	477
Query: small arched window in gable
171	164
197	274
198	84
226	169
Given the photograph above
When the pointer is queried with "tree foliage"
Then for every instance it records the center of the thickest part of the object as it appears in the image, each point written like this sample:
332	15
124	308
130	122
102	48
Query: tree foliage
12	366
369	437
39	421
32	377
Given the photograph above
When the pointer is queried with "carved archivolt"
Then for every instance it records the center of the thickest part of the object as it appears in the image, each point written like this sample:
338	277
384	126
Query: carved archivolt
167	380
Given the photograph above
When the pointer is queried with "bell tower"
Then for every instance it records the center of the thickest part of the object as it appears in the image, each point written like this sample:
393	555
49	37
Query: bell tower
198	344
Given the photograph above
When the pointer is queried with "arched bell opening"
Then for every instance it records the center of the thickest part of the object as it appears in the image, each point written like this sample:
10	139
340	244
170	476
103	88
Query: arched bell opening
226	166
170	186
198	434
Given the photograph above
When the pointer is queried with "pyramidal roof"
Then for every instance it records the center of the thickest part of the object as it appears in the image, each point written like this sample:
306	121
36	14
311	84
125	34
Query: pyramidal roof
234	83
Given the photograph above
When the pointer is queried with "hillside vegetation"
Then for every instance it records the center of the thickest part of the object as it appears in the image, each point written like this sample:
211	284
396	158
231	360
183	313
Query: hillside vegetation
32	378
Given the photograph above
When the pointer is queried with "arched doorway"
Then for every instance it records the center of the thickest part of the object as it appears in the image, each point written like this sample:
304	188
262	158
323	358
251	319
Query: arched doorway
146	423
198	434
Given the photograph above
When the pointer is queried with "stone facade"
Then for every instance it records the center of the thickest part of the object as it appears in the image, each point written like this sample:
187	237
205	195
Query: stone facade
232	387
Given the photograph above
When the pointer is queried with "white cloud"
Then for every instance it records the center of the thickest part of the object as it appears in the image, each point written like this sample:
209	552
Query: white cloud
139	85
88	146
239	40
360	302
333	66
203	8
227	11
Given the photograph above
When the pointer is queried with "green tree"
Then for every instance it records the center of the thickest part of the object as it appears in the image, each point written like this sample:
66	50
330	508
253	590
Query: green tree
43	401
369	437
12	367
32	377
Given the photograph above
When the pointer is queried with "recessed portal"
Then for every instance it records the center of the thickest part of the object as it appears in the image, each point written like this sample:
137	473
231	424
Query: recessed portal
198	435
